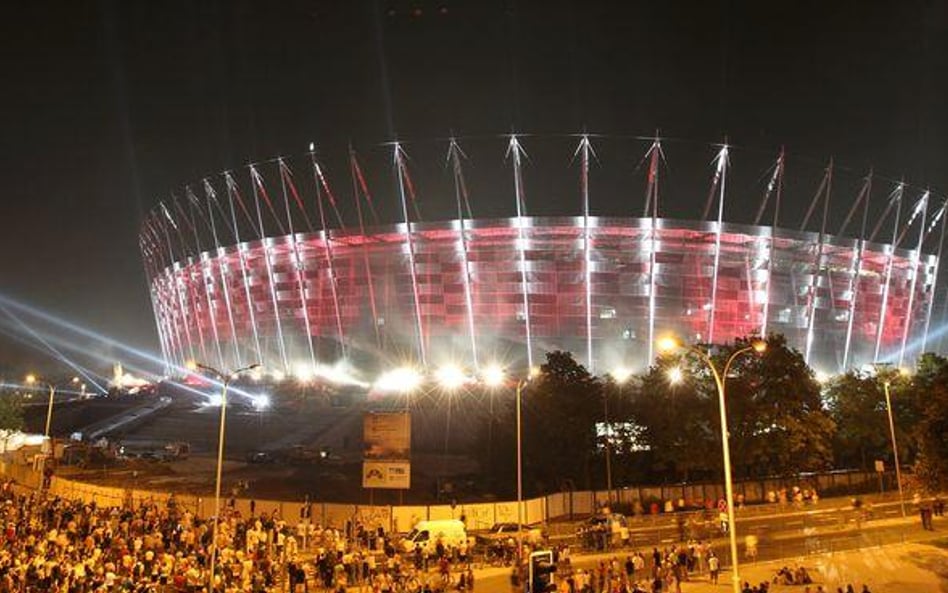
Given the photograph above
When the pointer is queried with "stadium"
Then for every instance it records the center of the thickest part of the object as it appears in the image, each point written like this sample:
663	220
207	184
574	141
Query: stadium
267	271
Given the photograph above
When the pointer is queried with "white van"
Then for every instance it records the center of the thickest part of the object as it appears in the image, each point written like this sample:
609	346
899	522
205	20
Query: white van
426	534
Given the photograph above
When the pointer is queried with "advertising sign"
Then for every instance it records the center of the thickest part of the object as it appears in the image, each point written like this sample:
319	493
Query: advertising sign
386	474
387	435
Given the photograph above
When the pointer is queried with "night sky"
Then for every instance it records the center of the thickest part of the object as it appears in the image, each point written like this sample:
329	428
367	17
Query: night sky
108	106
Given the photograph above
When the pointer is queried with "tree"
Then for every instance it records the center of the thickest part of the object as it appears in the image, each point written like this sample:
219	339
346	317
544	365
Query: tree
929	390
778	423
11	414
678	417
856	403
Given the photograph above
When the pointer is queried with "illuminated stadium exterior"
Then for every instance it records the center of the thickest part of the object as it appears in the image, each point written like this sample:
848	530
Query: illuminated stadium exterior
477	291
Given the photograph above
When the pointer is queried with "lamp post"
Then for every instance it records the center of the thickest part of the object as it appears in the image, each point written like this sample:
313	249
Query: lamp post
33	380
225	380
759	346
520	385
895	447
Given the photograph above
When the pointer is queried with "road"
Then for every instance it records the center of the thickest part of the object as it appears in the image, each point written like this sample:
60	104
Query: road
831	527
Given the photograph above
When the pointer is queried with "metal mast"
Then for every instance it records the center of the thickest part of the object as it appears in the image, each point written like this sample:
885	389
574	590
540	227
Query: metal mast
298	263
211	196
651	210
399	157
775	185
257	186
515	151
856	271
941	244
818	262
233	192
916	262
897	199
330	260
720	177
460	197
206	273
359	182
584	150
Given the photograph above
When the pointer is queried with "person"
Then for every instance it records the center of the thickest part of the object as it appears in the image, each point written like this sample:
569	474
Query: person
714	566
750	547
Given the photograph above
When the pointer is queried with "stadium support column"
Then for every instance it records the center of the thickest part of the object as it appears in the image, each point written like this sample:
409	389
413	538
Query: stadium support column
880	329
206	273
399	157
460	193
584	150
171	273
150	273
775	185
818	265
256	183
931	300
330	260
916	262
856	271
651	211
298	262
232	193
359	182
516	151
211	199
721	178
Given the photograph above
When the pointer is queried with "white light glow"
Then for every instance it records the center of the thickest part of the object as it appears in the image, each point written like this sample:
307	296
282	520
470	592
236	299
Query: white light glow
303	372
493	376
400	380
451	377
675	375
621	374
261	402
339	374
822	376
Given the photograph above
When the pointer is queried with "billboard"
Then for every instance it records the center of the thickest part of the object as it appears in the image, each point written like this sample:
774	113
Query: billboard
386	441
386	474
386	435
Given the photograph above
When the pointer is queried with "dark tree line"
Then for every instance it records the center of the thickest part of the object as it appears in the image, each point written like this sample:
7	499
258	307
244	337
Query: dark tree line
781	421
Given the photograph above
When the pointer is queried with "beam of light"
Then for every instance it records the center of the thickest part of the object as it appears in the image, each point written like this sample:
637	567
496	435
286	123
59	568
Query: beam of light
400	380
6	303
55	352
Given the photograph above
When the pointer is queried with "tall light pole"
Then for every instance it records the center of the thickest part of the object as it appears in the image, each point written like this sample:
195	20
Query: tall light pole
33	380
520	385
224	379
895	447
759	346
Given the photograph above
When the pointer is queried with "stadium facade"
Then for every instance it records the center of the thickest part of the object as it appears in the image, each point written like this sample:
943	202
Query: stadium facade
229	290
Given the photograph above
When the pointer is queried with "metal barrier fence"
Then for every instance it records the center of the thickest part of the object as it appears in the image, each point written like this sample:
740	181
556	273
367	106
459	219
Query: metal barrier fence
553	507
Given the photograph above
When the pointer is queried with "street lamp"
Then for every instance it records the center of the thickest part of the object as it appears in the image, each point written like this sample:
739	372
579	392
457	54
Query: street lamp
670	344
225	380
895	447
520	385
32	379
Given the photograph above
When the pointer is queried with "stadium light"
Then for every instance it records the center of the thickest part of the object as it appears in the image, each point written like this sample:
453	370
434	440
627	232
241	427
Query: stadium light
668	344
621	374
675	375
493	376
400	380
32	379
451	377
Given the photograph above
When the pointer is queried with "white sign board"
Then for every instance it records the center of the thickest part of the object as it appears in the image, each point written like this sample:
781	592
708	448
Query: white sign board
386	474
880	466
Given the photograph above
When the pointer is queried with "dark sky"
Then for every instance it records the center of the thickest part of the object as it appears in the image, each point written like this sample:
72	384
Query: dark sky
108	106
